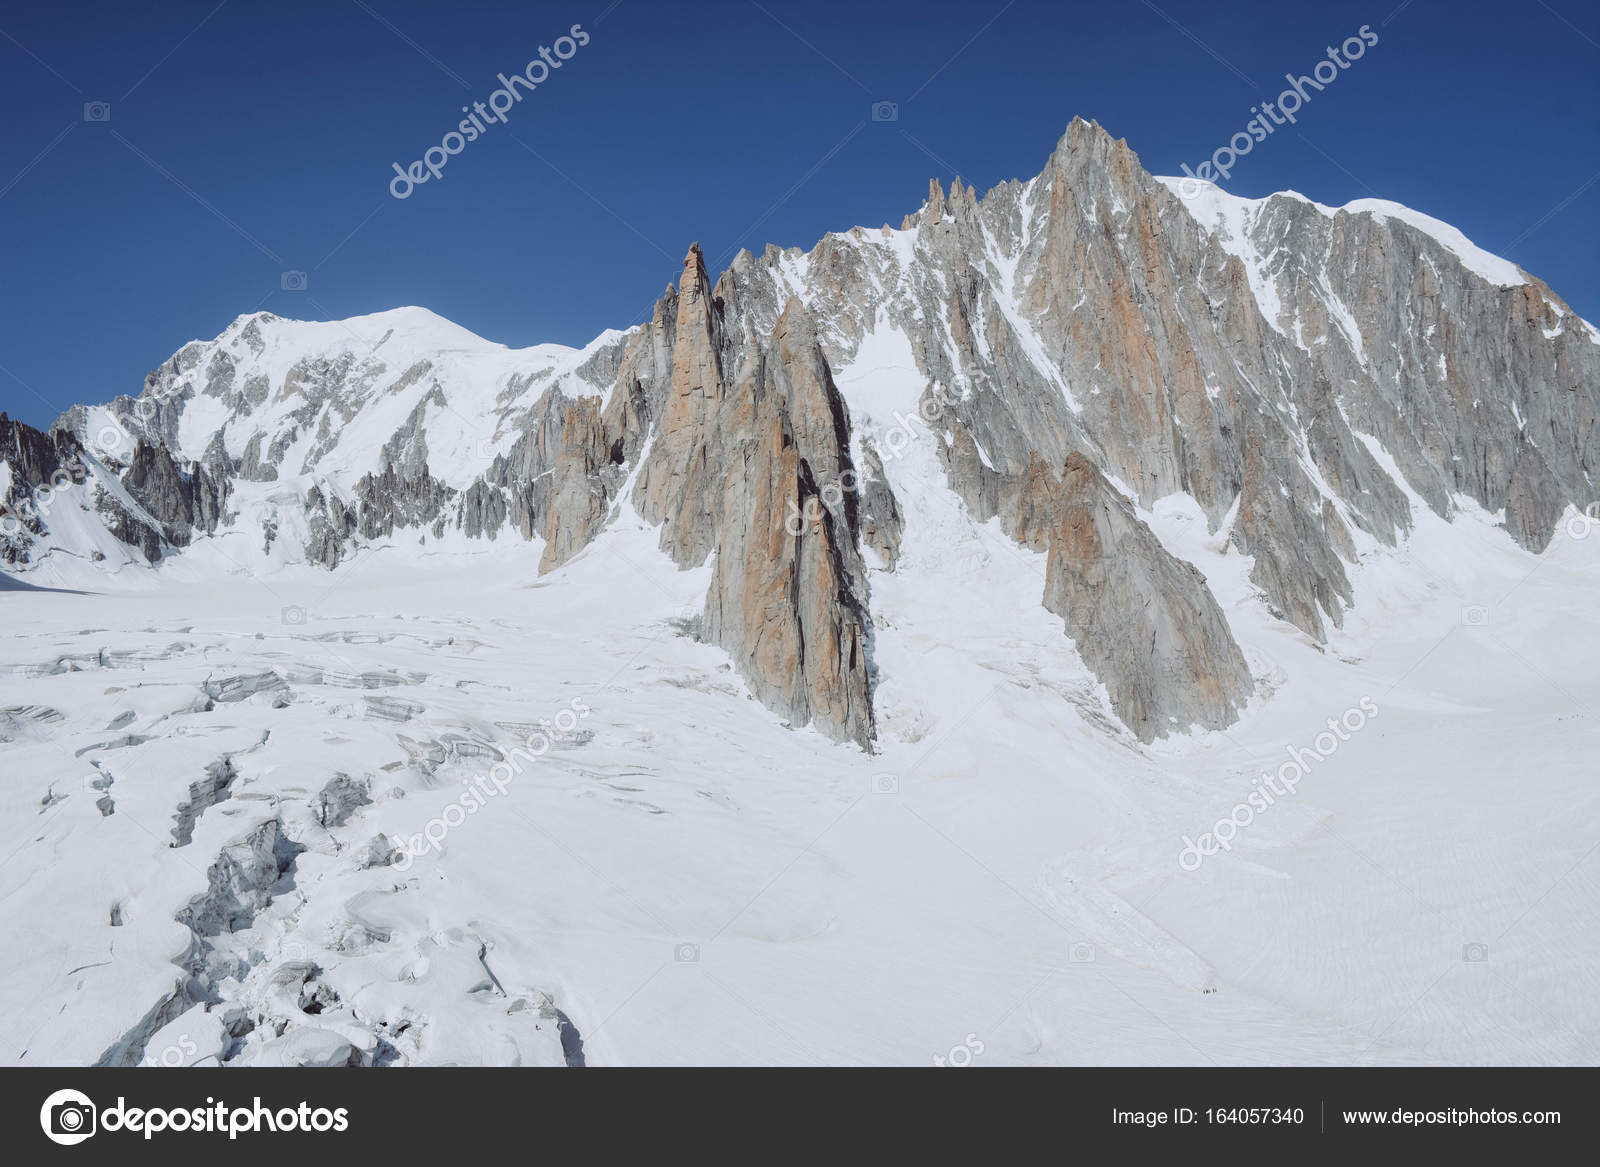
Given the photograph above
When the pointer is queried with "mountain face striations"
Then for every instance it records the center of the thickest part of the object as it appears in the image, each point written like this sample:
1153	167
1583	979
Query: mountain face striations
1089	342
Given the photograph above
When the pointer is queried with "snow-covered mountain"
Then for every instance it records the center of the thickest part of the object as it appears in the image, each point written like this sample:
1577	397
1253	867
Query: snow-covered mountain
1293	369
1057	503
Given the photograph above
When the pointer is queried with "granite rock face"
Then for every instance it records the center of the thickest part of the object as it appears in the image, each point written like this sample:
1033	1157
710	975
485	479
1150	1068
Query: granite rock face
154	506
752	433
1087	342
187	501
1092	309
788	597
678	481
34	462
1144	621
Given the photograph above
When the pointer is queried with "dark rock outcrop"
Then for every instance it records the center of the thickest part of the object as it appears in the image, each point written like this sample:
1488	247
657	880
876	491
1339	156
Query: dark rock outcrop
39	467
185	500
1143	621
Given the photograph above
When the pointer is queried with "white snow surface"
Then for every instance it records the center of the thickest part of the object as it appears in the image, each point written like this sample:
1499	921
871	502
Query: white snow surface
401	359
1209	203
683	879
689	881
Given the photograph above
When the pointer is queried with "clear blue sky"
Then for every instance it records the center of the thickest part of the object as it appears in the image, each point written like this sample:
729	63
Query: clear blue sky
250	138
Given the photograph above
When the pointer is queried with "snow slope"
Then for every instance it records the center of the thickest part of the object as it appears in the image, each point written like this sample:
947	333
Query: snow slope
260	813
680	879
1209	203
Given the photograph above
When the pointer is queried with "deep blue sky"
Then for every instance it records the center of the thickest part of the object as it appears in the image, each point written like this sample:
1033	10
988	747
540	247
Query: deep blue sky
251	138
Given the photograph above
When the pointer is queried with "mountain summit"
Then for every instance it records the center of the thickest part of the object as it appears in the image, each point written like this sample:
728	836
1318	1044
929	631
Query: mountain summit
1047	363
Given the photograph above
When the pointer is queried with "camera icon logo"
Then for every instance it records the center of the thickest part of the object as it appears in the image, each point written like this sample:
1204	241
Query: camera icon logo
686	954
96	111
1475	953
1082	953
111	437
885	784
294	614
293	281
1580	524
68	1117
149	411
1475	616
885	111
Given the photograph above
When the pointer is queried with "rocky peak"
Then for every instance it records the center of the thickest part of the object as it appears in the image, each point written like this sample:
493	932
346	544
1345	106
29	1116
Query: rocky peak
1085	343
